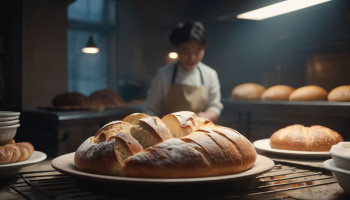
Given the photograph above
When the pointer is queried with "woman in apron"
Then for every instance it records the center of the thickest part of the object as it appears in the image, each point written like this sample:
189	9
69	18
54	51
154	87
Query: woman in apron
187	84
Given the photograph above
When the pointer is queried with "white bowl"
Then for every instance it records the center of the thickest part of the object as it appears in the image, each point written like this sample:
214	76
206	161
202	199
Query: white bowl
7	133
4	119
341	175
8	114
9	123
341	155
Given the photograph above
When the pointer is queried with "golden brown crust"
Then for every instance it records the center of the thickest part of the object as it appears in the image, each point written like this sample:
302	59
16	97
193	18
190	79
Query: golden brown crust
247	91
308	93
97	157
301	138
340	94
17	152
277	92
204	123
111	129
146	148
133	118
133	145
200	154
181	123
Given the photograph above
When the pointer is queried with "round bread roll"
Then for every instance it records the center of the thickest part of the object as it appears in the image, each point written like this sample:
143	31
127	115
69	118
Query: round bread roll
247	91
142	146
277	92
301	138
308	93
341	94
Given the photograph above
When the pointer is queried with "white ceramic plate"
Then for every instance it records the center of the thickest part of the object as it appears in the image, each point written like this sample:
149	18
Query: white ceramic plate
264	145
8	114
3	119
65	164
7	170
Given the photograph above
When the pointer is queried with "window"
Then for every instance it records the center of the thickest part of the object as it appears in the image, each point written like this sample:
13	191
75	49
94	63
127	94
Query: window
89	72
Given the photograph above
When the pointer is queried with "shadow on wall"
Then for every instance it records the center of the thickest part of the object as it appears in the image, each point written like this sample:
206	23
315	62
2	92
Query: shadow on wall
130	89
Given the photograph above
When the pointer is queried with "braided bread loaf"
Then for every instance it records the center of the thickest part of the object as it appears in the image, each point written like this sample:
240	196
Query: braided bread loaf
177	146
15	152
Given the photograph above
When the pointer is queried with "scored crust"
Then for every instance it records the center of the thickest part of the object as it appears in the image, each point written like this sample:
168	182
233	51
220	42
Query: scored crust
214	152
181	123
143	146
301	138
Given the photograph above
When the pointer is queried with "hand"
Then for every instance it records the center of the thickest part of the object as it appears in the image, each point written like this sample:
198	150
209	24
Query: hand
208	115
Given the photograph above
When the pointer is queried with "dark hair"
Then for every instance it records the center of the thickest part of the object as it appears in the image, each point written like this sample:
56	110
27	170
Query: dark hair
188	32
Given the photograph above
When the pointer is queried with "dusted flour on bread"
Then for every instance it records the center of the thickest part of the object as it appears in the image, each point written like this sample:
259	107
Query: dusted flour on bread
177	146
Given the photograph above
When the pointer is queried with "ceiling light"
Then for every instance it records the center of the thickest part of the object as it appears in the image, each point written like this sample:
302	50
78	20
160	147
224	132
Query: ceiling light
173	55
279	9
90	47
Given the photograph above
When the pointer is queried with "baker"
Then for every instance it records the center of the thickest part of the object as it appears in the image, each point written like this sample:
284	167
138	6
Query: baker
188	84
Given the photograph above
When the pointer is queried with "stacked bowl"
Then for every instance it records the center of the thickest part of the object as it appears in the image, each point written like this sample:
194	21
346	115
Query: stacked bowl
9	122
339	165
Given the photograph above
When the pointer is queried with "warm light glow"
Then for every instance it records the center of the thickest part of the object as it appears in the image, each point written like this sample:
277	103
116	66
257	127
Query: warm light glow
279	9
90	50
173	55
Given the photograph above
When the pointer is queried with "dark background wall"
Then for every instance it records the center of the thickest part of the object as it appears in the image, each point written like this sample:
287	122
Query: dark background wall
269	52
272	51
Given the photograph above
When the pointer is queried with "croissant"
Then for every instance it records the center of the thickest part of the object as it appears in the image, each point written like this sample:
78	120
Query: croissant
179	145
15	152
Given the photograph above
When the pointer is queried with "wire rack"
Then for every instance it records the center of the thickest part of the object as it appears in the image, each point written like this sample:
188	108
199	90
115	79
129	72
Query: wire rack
282	182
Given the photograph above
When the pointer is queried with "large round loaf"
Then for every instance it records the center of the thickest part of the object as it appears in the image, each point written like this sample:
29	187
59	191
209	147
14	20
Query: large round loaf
341	94
277	92
205	152
143	146
247	91
308	93
302	138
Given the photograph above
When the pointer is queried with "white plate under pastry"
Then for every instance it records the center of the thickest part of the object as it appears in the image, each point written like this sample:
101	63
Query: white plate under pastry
65	165
7	170
264	145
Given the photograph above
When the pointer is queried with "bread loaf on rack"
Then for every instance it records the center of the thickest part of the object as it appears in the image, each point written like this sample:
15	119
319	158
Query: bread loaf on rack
340	94
247	91
308	93
178	145
301	138
15	152
277	92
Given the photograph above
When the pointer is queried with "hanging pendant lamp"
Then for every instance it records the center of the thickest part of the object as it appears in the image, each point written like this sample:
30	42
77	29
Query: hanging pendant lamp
90	47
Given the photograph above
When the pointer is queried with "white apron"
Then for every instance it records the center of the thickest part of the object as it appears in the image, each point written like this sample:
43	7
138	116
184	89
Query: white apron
185	97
